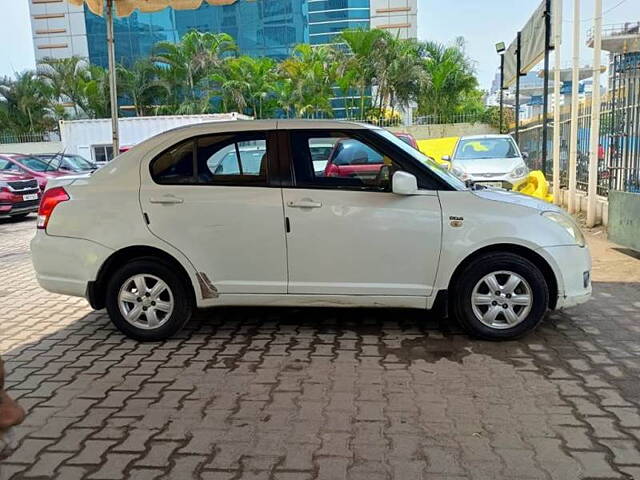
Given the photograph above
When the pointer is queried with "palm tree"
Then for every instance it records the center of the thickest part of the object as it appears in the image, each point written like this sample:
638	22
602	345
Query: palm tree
25	104
362	45
62	75
311	72
186	64
451	75
141	85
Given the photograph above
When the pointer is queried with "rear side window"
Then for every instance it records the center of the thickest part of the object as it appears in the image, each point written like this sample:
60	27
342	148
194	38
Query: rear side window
176	165
225	159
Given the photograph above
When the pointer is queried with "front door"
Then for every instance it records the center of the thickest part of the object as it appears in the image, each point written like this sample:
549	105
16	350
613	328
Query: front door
348	234
210	198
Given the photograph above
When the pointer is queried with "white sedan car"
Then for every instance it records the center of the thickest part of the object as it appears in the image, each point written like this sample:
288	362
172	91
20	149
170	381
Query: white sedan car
195	218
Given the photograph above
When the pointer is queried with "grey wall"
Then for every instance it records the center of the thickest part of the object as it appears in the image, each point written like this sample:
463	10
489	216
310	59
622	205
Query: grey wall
624	219
36	147
423	132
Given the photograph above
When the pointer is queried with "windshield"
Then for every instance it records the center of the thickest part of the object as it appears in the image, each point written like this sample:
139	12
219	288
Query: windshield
435	168
76	163
483	148
38	165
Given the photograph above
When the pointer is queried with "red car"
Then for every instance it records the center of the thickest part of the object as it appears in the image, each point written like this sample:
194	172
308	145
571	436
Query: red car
352	158
19	193
408	139
40	169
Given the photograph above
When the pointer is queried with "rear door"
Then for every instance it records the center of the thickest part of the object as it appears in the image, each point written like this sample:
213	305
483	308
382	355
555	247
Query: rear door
211	198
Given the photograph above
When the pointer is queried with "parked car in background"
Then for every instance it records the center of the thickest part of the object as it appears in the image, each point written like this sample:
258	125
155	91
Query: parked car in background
408	139
352	158
489	160
68	162
166	228
40	169
19	192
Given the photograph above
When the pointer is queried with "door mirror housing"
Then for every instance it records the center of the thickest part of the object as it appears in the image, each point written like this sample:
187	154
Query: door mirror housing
525	155
404	183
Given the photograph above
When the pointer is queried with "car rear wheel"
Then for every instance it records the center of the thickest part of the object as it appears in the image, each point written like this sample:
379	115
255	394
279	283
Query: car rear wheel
147	301
500	296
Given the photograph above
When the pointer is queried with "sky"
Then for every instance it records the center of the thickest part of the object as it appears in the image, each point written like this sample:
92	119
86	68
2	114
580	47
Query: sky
483	23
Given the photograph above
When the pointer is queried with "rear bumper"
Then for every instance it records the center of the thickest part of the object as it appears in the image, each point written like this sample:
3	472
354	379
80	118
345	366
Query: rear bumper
572	266
66	265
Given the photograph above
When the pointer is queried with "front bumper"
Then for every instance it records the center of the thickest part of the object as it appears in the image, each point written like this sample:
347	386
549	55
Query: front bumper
502	181
66	265
572	267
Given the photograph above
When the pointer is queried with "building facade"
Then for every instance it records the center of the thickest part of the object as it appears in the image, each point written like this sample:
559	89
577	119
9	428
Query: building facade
261	27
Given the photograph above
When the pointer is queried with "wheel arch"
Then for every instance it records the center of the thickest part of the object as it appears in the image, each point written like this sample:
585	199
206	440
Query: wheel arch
96	290
535	258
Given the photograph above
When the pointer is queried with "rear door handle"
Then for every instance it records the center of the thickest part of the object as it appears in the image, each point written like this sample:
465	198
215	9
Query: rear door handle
305	203
166	200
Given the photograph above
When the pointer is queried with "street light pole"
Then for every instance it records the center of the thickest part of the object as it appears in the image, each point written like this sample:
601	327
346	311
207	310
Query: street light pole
113	95
502	93
518	67
573	137
557	40
545	103
595	116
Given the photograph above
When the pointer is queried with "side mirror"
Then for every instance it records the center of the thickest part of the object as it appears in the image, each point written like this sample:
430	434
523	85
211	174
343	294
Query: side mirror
525	155
446	158
404	183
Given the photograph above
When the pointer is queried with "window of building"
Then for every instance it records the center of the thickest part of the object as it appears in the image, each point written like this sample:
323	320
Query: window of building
102	153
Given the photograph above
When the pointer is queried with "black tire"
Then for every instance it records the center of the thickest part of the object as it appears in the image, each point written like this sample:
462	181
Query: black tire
182	300
461	298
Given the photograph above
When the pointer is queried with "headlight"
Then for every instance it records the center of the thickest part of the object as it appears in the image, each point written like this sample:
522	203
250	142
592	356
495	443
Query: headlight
519	172
568	224
460	173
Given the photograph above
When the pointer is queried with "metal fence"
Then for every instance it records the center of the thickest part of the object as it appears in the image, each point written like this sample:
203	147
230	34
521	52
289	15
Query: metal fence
619	139
31	137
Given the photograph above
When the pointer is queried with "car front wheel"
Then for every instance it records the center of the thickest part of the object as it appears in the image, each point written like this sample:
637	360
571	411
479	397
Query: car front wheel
147	301
500	296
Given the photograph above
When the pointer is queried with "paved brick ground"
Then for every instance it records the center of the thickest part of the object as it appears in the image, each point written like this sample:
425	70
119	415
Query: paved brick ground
328	394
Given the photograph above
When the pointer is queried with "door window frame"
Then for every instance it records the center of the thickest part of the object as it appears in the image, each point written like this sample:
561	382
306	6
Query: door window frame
426	179
271	141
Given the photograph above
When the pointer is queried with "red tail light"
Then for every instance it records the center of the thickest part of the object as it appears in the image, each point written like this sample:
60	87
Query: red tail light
49	201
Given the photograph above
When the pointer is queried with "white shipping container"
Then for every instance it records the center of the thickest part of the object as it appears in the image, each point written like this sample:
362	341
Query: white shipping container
92	138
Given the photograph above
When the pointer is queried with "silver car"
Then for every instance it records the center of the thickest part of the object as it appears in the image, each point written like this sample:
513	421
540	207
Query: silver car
490	160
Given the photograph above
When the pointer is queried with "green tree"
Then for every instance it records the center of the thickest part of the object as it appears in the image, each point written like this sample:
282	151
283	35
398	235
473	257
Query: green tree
64	76
25	104
185	66
452	77
310	73
141	85
360	65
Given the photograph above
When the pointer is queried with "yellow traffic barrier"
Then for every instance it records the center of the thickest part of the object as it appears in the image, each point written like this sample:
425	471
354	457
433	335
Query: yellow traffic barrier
436	148
535	185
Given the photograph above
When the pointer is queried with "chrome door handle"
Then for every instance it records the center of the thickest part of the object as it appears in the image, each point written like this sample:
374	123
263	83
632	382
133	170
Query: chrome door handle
166	200
304	204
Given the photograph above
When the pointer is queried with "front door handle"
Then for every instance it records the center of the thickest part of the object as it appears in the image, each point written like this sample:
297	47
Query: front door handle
166	200
304	203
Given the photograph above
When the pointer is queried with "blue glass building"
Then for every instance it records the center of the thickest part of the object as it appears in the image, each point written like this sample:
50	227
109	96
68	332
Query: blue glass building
327	18
261	28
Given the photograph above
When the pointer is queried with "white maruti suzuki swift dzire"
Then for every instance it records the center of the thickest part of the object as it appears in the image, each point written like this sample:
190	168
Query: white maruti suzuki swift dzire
301	213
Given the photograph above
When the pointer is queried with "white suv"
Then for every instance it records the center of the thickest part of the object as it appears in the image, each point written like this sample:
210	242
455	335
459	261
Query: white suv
236	214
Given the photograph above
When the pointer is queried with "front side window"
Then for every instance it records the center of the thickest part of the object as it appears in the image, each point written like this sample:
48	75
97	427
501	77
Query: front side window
339	160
